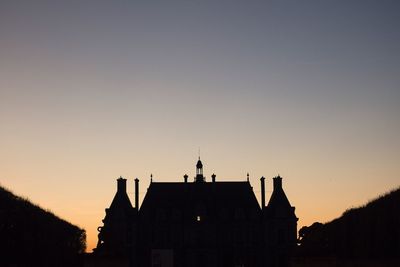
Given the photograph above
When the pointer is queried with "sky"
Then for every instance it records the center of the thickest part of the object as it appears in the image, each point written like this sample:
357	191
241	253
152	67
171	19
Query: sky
94	90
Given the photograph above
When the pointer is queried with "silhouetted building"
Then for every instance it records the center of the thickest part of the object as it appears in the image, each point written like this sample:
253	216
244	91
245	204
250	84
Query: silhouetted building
199	224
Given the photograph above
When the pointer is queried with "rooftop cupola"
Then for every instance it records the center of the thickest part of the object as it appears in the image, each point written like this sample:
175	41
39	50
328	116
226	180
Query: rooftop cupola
199	165
199	172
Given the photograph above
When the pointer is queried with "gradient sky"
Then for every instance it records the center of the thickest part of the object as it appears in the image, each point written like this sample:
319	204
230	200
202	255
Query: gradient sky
91	90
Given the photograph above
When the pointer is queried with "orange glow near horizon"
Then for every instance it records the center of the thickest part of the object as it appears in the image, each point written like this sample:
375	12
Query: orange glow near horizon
86	209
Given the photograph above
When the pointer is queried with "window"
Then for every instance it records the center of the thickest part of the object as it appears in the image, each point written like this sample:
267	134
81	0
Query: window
198	218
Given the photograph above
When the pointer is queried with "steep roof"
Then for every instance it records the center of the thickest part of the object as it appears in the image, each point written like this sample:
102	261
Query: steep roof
207	197
121	203
279	199
121	200
279	205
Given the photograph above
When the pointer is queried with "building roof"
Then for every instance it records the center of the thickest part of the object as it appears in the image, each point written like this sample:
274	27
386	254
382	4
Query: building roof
208	198
121	200
279	205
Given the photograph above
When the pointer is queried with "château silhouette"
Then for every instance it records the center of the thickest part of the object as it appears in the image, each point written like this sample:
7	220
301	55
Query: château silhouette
198	223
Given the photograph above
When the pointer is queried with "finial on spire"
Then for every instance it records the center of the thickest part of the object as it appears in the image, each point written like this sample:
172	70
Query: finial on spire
151	178
248	177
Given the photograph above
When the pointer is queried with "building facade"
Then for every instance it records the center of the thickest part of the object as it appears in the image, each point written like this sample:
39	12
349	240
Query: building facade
199	223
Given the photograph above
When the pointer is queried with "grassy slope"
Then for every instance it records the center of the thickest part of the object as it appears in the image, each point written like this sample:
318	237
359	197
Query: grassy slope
370	231
32	234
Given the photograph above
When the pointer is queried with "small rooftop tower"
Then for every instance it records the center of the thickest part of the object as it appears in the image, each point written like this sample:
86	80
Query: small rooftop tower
199	172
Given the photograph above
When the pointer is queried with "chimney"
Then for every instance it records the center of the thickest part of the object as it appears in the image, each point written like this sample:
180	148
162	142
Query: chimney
213	177
185	177
121	185
262	179
277	182
137	194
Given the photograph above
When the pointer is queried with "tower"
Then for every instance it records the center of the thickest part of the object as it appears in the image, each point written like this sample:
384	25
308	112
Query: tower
115	234
280	224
